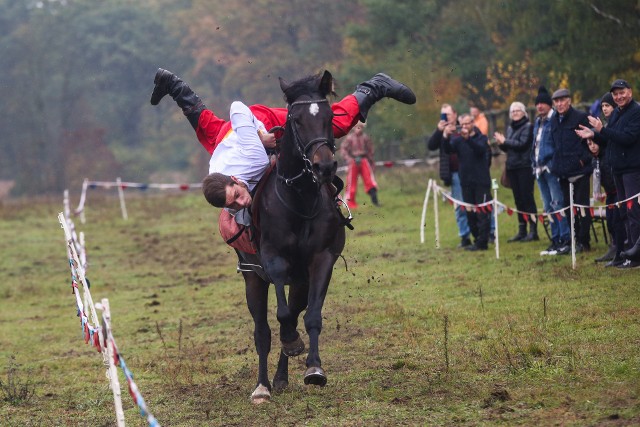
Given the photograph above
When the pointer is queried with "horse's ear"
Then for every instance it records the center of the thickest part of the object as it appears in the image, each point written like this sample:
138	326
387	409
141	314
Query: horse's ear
283	85
326	84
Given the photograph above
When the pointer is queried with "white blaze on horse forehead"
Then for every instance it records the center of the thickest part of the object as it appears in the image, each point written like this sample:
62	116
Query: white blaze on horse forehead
314	109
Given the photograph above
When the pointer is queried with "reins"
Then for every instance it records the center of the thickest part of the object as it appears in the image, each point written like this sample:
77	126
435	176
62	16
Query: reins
306	151
315	143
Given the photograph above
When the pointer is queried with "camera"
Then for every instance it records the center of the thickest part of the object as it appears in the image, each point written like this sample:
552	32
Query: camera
443	116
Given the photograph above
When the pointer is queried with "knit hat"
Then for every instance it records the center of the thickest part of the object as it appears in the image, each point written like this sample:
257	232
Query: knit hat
518	106
608	98
543	96
561	93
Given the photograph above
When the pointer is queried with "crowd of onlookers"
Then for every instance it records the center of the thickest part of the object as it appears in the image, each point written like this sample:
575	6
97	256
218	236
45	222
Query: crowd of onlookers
568	152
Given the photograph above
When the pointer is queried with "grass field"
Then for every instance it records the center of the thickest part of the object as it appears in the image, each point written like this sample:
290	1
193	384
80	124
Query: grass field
412	335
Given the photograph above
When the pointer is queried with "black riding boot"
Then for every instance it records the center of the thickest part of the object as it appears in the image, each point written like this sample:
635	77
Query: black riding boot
522	233
167	83
533	233
610	254
374	196
633	253
378	87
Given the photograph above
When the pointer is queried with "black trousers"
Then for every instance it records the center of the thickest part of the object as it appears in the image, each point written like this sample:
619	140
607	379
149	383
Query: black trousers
615	226
628	185
581	196
479	222
522	180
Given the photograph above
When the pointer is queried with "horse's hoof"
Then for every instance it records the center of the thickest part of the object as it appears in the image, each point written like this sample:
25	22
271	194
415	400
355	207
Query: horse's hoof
294	348
280	385
315	376
260	395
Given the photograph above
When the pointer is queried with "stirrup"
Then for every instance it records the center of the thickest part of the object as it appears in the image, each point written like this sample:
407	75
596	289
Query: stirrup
345	220
245	266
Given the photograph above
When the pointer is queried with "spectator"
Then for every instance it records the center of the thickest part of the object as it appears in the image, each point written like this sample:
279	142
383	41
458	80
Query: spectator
548	182
622	140
449	168
607	104
603	178
479	120
572	163
474	155
357	152
517	145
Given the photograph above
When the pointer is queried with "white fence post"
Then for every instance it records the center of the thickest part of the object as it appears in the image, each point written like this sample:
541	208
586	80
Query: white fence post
495	218
436	218
572	224
112	370
123	207
424	211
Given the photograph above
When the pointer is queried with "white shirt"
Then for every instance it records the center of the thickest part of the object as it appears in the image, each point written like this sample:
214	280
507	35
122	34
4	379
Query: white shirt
241	153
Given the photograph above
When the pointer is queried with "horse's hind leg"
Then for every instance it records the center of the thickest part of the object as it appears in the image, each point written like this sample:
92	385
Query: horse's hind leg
257	291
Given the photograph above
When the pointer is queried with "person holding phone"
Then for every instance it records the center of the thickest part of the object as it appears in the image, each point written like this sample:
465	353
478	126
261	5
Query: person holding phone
448	127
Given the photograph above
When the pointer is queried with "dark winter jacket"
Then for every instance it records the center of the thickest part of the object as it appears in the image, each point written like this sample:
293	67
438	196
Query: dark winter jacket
474	155
448	162
622	139
517	144
571	155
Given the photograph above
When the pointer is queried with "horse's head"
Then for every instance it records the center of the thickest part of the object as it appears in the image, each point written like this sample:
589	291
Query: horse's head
309	125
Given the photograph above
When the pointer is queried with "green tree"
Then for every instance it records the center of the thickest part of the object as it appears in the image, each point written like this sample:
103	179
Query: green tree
246	45
77	68
591	42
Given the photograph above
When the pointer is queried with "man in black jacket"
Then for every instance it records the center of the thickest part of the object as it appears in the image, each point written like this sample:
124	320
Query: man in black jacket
572	162
622	140
474	156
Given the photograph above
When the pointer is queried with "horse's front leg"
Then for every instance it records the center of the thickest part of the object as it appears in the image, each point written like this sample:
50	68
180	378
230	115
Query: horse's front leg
319	278
281	378
257	292
277	268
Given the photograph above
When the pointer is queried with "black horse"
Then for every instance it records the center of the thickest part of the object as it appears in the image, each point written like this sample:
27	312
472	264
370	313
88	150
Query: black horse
301	234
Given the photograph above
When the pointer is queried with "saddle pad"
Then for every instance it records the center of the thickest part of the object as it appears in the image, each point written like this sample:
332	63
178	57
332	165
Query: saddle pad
235	235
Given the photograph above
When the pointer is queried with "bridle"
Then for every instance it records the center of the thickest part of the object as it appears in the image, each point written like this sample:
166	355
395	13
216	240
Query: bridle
308	150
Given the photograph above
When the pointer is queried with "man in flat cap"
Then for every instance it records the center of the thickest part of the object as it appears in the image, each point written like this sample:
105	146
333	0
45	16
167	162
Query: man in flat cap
621	137
548	183
572	162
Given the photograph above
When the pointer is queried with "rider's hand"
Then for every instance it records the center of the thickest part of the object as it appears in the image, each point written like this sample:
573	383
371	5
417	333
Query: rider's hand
268	139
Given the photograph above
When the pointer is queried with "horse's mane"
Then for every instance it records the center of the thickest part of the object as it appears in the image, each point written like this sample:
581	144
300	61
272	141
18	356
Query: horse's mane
305	86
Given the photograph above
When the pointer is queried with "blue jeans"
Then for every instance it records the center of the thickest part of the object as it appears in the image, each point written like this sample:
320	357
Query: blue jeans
461	216
553	200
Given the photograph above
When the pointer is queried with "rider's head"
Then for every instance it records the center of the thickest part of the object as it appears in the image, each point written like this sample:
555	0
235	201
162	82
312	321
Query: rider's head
223	191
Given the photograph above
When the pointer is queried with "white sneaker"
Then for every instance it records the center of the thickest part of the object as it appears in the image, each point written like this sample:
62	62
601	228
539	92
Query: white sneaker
551	250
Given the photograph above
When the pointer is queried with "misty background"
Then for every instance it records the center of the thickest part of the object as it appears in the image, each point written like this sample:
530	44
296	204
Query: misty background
77	74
